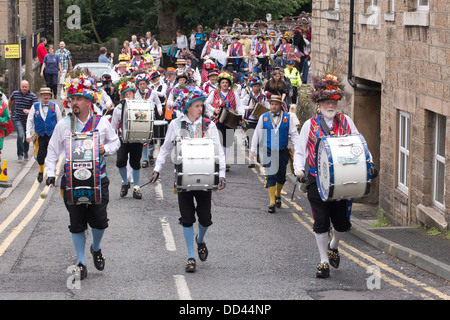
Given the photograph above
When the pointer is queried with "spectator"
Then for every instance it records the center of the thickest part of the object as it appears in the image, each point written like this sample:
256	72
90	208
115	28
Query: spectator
143	44
156	53
200	40
50	70
149	39
134	43
182	41
41	50
65	58
23	100
126	48
103	58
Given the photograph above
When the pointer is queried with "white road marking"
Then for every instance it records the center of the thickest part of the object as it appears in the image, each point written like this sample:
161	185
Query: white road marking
168	236
182	288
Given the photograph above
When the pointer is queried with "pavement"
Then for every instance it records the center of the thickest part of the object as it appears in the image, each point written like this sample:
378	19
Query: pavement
411	244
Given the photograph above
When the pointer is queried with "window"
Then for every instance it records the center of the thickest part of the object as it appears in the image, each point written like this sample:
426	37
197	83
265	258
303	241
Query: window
439	162
403	151
336	4
423	4
374	3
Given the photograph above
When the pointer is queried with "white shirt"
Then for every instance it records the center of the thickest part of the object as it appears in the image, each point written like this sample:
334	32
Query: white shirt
248	102
173	132
293	135
155	86
209	109
43	112
108	138
304	136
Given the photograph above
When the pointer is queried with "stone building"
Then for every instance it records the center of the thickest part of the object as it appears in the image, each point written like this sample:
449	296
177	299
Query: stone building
396	66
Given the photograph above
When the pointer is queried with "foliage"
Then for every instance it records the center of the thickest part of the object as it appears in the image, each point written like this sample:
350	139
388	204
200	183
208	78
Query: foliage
120	19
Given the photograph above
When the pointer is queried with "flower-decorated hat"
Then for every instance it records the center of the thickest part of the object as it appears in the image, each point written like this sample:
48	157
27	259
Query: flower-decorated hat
141	77
254	80
189	95
226	76
326	86
126	86
138	52
82	86
124	57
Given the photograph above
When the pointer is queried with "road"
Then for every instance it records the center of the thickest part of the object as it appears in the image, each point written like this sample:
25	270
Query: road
253	255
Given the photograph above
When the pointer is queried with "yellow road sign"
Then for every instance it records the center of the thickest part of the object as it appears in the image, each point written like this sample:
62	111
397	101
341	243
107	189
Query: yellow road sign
12	51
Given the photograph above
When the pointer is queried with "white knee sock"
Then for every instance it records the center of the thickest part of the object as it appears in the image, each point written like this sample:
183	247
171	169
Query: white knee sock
337	236
322	244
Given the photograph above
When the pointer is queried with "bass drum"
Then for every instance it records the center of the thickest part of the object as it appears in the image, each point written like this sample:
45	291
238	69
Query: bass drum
137	121
196	164
82	168
343	167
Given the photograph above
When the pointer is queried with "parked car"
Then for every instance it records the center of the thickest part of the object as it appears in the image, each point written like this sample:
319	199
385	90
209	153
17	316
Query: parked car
98	69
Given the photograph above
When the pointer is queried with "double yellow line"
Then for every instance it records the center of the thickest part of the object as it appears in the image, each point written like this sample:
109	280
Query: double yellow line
35	209
360	257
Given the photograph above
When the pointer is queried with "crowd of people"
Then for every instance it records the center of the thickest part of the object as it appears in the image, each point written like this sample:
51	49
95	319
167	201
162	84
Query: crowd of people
252	70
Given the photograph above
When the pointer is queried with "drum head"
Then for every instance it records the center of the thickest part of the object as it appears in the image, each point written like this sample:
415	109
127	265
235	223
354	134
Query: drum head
324	174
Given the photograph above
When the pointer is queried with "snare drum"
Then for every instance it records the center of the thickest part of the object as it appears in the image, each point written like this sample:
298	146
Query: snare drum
82	168
196	164
259	110
160	129
137	122
343	167
229	118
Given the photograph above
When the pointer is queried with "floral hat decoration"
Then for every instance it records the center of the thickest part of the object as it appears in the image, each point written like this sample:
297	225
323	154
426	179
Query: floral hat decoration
124	57
126	86
254	80
188	95
226	76
141	77
82	86
327	86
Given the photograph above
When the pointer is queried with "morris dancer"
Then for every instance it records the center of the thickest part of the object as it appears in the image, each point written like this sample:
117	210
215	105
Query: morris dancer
236	49
192	125
224	97
276	128
127	90
211	85
327	90
42	120
254	97
81	92
142	82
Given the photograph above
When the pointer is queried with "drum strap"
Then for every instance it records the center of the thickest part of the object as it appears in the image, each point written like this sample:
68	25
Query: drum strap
204	128
327	130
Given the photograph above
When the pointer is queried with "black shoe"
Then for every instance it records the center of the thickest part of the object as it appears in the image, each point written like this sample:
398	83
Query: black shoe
99	259
190	265
26	157
40	177
152	161
271	208
333	256
251	165
202	250
278	202
80	272
323	270
124	190
145	164
137	193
